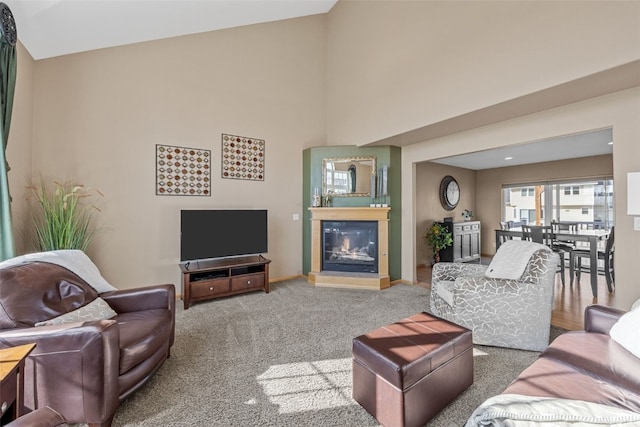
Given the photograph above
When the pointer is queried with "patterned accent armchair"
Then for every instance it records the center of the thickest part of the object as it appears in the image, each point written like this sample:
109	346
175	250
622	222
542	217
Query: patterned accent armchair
500	312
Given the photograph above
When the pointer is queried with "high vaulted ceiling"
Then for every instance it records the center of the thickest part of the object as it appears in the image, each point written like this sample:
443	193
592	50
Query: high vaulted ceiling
49	28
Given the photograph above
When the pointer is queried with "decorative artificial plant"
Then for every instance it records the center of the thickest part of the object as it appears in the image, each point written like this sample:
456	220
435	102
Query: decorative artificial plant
438	237
326	199
64	220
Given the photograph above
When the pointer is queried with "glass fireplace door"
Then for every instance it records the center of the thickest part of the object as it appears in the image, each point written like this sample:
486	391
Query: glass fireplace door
350	246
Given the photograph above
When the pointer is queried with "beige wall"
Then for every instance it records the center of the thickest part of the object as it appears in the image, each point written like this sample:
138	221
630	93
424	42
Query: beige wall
443	61
618	111
395	66
99	115
428	207
489	184
19	149
385	68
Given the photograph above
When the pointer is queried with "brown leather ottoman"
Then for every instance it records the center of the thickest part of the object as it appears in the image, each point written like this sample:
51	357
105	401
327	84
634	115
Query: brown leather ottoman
406	372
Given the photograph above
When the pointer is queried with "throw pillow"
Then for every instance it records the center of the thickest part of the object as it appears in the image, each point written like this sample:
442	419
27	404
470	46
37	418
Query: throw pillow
625	332
98	309
636	305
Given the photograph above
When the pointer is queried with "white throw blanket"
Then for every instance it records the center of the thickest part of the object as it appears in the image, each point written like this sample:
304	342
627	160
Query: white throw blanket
512	258
71	259
515	410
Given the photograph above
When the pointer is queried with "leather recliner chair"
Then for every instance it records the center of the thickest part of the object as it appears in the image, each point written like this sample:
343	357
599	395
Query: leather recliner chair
83	369
42	417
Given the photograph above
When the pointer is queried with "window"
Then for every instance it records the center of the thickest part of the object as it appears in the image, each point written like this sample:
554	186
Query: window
527	216
336	180
571	189
588	202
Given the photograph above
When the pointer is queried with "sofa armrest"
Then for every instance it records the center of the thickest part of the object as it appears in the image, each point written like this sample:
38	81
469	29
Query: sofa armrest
42	417
61	336
139	299
449	271
71	363
145	298
600	319
473	293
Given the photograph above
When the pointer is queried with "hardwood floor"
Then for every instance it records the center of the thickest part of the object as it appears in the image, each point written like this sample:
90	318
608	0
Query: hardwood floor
569	302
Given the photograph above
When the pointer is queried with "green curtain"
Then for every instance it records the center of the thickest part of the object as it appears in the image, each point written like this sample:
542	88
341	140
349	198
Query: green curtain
8	65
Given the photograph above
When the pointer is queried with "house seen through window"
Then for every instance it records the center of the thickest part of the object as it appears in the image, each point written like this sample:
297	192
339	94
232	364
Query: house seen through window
587	202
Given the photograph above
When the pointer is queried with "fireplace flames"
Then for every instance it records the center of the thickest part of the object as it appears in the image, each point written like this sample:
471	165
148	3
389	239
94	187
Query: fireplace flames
345	252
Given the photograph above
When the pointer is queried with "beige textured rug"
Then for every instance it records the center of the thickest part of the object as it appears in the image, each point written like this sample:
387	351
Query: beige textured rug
284	359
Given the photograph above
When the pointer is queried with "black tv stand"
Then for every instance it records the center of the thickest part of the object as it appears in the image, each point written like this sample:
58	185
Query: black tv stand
215	278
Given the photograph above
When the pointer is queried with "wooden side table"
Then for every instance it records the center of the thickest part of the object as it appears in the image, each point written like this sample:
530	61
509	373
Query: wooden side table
12	381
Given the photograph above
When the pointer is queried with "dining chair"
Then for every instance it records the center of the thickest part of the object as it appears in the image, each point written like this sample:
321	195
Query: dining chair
504	226
566	245
544	234
606	256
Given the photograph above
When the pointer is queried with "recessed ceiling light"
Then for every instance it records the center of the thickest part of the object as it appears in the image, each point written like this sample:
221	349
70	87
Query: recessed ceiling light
508	158
610	143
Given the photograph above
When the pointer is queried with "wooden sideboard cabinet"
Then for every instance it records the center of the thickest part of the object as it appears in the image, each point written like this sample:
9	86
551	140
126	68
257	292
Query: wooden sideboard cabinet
466	242
204	280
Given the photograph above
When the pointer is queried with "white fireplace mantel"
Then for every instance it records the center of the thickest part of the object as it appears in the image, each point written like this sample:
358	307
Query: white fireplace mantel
336	279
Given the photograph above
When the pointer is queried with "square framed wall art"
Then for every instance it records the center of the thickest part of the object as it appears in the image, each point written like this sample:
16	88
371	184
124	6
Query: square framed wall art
242	157
182	171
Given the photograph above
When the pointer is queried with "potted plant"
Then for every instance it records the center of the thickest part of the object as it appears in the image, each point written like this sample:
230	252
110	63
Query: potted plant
467	215
64	217
438	237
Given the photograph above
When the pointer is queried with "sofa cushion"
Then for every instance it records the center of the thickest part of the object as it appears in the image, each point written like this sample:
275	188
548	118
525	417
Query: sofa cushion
38	291
97	309
142	333
599	355
550	377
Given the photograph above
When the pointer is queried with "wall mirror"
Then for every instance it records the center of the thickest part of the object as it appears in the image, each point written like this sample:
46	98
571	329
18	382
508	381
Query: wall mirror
348	176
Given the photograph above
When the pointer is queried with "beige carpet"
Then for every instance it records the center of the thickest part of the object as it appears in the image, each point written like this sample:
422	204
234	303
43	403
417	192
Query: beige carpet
284	359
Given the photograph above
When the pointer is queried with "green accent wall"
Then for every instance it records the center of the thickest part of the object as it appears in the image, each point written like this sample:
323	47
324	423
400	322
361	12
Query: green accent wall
312	178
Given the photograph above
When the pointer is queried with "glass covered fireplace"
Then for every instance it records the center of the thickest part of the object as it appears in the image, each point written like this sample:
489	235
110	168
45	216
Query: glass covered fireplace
350	246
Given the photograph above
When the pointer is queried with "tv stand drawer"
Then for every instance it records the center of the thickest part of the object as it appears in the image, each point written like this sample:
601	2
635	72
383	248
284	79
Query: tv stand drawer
205	288
239	283
223	277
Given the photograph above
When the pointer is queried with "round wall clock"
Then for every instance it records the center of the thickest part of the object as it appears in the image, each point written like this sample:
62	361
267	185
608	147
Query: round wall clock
449	193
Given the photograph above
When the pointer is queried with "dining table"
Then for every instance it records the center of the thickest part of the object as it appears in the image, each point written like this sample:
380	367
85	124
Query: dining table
591	237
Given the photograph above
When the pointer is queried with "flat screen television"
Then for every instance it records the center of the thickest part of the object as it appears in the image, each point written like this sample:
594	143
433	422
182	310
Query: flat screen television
206	234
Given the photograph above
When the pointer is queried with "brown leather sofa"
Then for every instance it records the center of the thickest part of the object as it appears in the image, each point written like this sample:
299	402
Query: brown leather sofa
585	365
83	370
